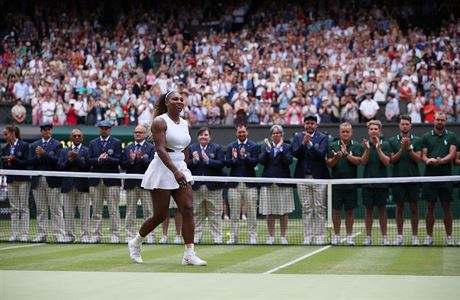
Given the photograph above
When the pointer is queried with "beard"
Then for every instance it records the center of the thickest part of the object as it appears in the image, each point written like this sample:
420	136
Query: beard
440	126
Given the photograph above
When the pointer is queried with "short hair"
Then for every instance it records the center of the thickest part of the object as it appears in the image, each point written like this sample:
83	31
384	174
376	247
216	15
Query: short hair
242	124
279	127
405	117
203	129
374	122
345	125
76	128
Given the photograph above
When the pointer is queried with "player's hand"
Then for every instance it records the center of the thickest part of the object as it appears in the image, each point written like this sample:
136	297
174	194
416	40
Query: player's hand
181	179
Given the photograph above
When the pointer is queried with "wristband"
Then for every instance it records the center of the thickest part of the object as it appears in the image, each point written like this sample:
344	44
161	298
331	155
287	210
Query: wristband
174	173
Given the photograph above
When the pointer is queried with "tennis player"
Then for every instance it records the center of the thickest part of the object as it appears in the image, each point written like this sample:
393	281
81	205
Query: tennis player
168	175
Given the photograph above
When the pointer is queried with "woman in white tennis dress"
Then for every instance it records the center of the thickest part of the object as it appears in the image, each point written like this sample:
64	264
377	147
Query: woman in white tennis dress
168	176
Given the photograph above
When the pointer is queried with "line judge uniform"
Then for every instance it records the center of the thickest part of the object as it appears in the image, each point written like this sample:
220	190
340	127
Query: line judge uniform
207	196
46	190
276	199
107	189
18	188
311	163
75	193
134	192
242	167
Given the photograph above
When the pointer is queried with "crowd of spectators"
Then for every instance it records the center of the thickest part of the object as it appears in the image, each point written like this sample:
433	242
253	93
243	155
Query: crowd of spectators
253	62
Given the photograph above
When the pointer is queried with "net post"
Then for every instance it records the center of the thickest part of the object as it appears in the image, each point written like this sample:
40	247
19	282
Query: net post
329	205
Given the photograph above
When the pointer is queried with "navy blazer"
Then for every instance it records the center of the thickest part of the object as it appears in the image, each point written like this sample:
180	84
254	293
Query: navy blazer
77	165
20	161
214	167
136	166
48	162
242	166
311	160
113	149
276	166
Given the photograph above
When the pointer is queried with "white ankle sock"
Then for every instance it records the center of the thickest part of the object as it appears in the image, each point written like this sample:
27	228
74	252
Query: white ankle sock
189	249
138	239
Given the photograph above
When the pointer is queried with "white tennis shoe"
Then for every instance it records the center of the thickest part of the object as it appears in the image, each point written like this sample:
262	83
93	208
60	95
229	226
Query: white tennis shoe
190	259
271	240
399	240
135	252
367	241
335	240
177	240
164	239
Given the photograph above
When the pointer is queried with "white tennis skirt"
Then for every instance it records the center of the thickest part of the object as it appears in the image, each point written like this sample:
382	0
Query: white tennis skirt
158	176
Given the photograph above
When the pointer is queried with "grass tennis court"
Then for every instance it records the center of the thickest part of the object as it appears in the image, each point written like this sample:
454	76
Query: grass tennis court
50	271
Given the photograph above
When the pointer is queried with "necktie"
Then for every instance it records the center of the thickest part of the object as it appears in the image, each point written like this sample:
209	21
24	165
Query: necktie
138	146
103	142
45	144
12	148
75	149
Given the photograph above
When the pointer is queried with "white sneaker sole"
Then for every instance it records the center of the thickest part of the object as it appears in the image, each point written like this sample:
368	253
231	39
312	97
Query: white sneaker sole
198	264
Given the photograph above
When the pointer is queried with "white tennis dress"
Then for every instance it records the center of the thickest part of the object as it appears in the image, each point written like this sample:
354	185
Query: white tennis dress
158	176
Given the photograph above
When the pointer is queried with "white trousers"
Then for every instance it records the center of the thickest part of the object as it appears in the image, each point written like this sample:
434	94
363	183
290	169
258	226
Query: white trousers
132	198
313	200
71	201
208	203
111	195
18	195
249	197
46	197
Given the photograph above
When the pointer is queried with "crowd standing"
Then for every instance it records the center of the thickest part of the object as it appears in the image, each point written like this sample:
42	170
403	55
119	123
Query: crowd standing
263	63
251	62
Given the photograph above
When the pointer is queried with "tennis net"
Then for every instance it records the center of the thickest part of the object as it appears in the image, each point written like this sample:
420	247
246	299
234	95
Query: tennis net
230	210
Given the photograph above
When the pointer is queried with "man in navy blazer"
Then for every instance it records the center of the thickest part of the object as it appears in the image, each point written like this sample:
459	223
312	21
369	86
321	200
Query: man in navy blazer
242	157
43	155
207	159
104	153
15	156
310	149
135	160
75	191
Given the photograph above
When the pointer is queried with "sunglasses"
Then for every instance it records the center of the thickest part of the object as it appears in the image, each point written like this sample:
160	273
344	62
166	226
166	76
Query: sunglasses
76	135
140	132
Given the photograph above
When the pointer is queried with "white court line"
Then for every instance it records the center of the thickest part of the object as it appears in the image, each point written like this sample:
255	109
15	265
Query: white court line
23	246
303	257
